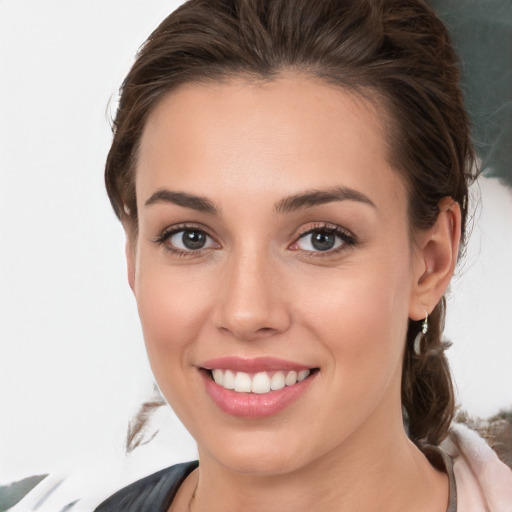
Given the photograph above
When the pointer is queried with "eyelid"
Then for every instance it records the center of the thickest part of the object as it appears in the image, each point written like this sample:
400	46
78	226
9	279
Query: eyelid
347	237
326	226
169	231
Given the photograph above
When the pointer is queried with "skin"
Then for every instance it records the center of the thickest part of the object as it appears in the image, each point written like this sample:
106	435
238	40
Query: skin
258	289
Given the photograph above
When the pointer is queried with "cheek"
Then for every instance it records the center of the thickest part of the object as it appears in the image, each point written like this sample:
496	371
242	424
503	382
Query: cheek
361	317
172	310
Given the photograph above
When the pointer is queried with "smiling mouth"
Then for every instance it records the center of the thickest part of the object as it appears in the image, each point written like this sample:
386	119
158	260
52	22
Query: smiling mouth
259	383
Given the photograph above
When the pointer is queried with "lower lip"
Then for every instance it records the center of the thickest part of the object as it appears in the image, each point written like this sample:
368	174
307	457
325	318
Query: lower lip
253	405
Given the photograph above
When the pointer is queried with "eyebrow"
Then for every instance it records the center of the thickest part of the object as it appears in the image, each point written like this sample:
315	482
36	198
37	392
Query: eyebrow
307	199
201	204
311	198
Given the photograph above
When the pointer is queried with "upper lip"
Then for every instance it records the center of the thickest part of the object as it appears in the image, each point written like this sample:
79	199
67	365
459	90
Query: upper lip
252	365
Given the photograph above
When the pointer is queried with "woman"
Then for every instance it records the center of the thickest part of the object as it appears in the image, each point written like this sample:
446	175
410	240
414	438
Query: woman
292	179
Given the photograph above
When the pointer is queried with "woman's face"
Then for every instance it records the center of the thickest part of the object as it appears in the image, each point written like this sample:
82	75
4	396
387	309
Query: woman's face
273	254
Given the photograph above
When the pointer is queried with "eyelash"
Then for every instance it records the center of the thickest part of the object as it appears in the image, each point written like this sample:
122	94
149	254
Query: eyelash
167	233
348	240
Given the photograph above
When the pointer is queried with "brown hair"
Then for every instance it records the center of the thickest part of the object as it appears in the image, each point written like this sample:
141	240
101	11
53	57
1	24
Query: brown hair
395	51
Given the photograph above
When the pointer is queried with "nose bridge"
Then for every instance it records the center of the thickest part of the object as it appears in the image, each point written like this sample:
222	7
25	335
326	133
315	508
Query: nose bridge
250	305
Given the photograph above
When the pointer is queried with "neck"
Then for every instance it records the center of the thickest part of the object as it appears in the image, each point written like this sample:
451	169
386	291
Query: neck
386	473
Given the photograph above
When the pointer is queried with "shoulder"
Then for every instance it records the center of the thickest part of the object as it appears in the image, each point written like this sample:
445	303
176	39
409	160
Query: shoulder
154	492
483	482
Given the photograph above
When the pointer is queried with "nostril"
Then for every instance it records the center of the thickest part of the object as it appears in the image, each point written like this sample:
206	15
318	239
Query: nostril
248	334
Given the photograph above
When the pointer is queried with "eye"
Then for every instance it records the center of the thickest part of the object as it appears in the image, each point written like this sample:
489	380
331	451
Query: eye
186	240
323	239
319	241
189	239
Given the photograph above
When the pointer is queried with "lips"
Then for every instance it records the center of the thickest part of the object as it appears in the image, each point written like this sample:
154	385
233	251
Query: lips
255	387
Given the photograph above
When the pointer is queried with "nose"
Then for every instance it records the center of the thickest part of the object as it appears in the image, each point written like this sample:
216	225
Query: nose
252	300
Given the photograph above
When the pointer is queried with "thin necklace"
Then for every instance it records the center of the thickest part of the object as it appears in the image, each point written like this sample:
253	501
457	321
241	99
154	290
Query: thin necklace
189	509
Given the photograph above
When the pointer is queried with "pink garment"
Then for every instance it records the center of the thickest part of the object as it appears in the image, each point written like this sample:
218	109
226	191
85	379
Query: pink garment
483	482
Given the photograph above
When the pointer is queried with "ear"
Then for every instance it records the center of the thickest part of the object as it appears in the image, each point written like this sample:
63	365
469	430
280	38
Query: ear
435	259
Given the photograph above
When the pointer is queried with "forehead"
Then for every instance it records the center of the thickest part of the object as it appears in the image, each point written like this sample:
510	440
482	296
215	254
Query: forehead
266	136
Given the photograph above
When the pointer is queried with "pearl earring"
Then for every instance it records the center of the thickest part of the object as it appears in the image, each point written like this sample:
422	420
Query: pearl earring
420	336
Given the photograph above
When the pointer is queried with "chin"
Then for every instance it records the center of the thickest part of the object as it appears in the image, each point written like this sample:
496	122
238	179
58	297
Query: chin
257	455
262	464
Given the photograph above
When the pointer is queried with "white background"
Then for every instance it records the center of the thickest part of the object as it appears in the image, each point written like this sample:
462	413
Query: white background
72	362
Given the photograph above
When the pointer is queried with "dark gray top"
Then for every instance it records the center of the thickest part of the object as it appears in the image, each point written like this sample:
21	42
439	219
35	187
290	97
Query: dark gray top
153	493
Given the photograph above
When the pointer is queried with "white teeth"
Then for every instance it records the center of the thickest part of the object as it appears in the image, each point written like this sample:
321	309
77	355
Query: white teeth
277	381
302	375
243	382
260	382
229	380
291	378
218	377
